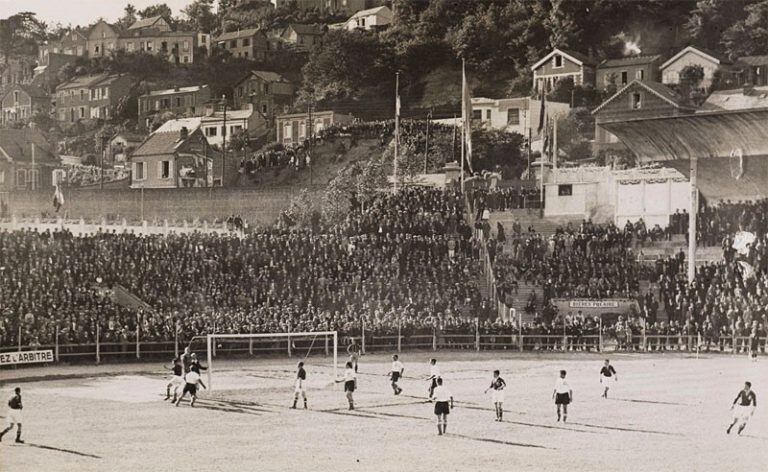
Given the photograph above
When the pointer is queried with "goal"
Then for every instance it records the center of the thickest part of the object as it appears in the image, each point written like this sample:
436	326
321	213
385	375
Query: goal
300	345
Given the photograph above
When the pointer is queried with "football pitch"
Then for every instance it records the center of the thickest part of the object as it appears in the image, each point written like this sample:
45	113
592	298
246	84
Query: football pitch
666	413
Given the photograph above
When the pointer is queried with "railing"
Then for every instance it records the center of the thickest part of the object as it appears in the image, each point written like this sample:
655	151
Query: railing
512	340
81	226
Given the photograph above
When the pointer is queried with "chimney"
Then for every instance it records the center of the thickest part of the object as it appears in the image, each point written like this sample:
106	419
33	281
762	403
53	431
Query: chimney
184	133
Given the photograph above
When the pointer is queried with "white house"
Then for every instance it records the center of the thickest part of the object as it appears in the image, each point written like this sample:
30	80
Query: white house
693	55
373	18
212	124
514	115
561	64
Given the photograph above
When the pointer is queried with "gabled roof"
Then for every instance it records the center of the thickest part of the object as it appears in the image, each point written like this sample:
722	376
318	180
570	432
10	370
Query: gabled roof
713	56
146	22
161	142
266	76
576	57
660	90
246	33
755	60
629	61
32	90
15	145
373	11
302	29
82	81
175	125
194	88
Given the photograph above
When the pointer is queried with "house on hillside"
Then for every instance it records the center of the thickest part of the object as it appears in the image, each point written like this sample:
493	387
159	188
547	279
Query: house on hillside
73	42
371	19
514	115
186	101
172	159
639	99
293	129
17	70
560	64
47	74
102	39
215	120
620	72
122	145
151	35
712	63
301	37
249	44
20	102
755	70
269	92
91	97
27	160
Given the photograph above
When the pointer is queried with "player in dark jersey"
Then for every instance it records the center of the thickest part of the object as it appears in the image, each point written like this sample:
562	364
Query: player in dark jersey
300	387
176	381
607	377
497	385
14	415
747	402
196	367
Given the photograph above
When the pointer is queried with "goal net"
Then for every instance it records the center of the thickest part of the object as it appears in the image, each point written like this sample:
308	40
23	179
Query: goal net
298	346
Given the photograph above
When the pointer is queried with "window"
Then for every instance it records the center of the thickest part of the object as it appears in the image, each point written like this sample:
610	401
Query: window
82	112
513	116
138	171
558	61
640	74
185	59
246	41
149	46
245	54
564	190
82	94
488	115
165	169
186	45
477	114
130	46
624	77
233	44
637	100
21	178
212	131
16	97
105	92
264	108
2	177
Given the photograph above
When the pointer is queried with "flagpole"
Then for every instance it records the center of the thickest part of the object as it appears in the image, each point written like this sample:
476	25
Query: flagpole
397	124
462	156
554	147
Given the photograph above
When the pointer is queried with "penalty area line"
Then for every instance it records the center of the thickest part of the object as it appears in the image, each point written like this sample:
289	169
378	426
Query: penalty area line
629	430
60	449
497	441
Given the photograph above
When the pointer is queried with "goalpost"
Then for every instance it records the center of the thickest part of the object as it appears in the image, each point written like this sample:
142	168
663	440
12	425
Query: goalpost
289	337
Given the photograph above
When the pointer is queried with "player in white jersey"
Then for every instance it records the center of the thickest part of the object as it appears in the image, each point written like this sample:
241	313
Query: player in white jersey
299	386
607	377
191	379
396	373
350	384
563	395
14	415
747	402
434	374
443	404
497	385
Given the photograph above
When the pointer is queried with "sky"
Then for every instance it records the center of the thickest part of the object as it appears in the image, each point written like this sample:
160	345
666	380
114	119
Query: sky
80	12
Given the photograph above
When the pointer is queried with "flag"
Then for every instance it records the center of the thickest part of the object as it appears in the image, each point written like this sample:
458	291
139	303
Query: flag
58	199
542	112
124	298
747	271
397	105
742	240
466	112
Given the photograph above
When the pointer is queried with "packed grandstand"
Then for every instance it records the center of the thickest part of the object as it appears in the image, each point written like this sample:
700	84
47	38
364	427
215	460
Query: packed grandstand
412	263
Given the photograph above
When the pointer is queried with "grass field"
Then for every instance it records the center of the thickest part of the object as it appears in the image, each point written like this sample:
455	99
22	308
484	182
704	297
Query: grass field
667	413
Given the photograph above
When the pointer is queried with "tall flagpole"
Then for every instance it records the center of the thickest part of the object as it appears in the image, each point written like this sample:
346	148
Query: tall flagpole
464	117
462	156
397	124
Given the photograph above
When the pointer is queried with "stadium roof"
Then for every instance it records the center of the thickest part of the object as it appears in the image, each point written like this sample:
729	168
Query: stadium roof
737	99
715	178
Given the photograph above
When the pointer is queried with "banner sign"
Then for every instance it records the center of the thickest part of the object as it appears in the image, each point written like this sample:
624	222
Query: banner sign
26	357
593	304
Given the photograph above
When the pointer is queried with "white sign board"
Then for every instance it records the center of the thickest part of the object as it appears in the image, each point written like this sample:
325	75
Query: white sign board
26	357
594	304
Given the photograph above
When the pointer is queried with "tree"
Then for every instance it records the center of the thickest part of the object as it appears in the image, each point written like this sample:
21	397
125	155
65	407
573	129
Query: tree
200	16
160	9
711	18
129	16
20	34
497	150
749	35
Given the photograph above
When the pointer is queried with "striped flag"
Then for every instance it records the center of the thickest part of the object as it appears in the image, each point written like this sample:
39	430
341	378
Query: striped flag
466	111
58	199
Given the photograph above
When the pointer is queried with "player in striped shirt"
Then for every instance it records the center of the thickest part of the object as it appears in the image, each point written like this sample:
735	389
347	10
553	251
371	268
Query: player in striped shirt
747	402
497	385
396	373
299	387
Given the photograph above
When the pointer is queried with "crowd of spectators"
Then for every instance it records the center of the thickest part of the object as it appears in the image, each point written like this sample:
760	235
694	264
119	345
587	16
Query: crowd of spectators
408	257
